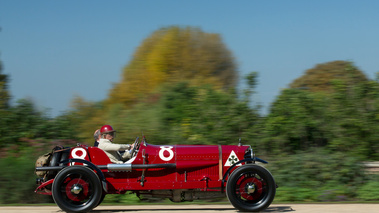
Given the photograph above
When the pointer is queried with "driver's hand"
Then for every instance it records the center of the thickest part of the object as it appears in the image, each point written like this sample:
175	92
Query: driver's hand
126	155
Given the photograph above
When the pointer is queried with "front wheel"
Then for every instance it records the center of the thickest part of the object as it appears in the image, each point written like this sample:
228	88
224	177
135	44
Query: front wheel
251	188
76	189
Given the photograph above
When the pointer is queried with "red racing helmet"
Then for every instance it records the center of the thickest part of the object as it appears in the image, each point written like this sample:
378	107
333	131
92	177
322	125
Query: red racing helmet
106	129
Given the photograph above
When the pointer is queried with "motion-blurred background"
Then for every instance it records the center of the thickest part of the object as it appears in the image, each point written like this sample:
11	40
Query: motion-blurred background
296	80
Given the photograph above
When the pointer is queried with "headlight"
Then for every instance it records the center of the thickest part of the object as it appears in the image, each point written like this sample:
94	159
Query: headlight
249	153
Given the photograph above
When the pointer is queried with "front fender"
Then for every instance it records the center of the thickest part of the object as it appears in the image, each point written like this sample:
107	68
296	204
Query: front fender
242	161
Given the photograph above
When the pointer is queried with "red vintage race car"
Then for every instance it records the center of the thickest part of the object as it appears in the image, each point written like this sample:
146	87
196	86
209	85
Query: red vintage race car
79	177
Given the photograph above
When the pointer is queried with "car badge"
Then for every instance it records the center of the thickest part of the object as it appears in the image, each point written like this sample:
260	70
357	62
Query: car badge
232	159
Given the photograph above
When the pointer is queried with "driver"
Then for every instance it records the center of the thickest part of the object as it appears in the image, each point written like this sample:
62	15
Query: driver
107	134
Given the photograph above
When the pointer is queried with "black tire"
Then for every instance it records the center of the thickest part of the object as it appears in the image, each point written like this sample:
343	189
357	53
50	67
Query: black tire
88	189
251	188
102	198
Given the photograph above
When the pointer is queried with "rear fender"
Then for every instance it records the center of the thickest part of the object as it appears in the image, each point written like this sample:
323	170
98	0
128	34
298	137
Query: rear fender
92	166
41	189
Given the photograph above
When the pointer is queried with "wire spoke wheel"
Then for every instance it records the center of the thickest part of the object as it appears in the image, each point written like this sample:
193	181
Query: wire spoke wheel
77	189
251	188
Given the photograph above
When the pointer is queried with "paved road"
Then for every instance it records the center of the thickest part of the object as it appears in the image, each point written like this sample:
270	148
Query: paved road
294	208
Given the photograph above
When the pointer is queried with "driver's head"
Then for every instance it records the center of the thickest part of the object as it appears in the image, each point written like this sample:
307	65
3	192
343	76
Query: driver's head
96	135
107	132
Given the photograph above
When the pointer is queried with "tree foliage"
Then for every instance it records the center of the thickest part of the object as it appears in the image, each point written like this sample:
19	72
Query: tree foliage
4	93
17	182
317	175
27	133
344	119
321	76
184	114
295	122
369	191
172	55
201	115
23	122
86	117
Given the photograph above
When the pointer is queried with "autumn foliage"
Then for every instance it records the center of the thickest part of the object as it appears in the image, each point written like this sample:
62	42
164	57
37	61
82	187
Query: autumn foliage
320	77
172	55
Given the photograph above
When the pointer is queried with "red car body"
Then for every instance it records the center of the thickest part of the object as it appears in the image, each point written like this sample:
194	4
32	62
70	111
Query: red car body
78	178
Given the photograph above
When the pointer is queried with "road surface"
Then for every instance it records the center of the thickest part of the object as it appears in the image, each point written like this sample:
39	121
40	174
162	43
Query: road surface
295	208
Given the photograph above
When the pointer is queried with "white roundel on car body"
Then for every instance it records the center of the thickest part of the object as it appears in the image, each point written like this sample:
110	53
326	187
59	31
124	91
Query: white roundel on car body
78	153
164	151
232	159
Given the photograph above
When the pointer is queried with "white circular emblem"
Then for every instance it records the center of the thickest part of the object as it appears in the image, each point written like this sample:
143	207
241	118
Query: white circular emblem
170	152
79	153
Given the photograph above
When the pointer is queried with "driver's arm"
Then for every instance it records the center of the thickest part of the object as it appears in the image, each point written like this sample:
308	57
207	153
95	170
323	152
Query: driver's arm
127	155
114	146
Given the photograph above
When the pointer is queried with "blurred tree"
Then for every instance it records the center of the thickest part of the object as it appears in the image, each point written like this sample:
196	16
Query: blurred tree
20	121
23	122
352	115
252	81
202	115
85	117
343	119
4	93
321	76
171	55
168	56
295	122
317	175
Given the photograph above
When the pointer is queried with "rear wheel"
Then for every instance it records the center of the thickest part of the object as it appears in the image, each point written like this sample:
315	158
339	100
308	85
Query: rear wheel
251	188
76	189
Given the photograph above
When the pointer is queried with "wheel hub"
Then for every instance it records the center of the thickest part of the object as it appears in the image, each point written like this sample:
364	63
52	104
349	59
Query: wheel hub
250	188
76	189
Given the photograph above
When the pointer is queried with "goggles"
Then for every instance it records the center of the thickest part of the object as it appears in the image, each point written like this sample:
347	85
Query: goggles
113	134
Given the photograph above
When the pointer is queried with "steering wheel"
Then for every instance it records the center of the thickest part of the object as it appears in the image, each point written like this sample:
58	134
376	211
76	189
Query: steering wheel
135	147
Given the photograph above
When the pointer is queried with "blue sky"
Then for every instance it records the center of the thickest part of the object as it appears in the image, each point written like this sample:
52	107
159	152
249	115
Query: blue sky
55	50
